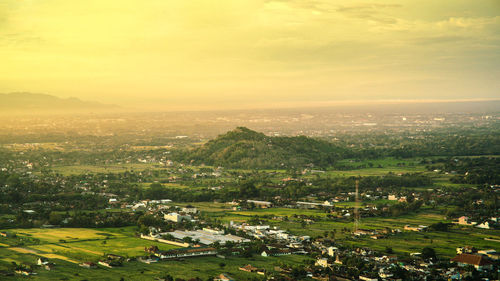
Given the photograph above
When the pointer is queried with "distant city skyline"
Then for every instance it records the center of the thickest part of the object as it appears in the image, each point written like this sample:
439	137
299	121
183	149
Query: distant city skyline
248	54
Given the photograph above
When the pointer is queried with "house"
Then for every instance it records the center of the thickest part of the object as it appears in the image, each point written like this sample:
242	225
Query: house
248	268
189	252
323	262
463	220
260	204
190	209
478	261
49	266
484	225
106	264
139	206
415	228
114	257
490	253
175	217
88	264
328	203
361	232
383	273
148	260
276	252
42	261
466	250
24	272
308	205
392	197
151	249
337	260
7	234
161	201
223	277
261	271
332	250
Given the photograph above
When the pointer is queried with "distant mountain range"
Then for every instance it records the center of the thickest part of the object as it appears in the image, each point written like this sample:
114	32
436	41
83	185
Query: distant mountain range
26	102
244	148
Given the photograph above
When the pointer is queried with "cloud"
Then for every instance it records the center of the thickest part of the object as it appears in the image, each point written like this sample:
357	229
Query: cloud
370	11
443	39
20	40
261	49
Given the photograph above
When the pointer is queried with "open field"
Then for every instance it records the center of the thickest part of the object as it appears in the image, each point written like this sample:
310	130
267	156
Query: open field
444	243
202	267
146	185
88	246
114	168
80	244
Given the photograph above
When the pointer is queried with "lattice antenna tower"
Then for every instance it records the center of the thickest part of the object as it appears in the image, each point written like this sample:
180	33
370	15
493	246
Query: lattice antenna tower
356	208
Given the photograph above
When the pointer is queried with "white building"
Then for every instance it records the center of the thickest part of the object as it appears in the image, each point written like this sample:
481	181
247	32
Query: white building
484	225
323	262
207	237
175	217
332	250
190	210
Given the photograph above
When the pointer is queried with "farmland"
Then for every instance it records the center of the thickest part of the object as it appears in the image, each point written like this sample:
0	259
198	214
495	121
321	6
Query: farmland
87	245
292	207
445	243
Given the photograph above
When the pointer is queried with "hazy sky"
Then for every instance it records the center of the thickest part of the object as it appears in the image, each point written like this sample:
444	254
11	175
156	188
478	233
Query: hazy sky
242	53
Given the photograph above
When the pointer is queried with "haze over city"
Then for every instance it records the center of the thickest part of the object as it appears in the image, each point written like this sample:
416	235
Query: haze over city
259	140
199	54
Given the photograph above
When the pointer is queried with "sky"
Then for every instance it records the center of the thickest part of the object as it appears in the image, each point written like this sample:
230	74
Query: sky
237	54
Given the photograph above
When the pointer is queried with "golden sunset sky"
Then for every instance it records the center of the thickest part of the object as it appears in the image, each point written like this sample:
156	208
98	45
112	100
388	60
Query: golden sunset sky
232	53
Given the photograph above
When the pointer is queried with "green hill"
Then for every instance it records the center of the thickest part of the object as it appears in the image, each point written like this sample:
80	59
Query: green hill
244	148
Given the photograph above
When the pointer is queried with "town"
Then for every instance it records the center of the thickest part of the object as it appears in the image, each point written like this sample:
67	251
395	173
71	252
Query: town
150	214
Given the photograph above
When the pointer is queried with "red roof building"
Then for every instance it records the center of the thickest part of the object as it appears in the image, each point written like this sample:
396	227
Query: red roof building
478	261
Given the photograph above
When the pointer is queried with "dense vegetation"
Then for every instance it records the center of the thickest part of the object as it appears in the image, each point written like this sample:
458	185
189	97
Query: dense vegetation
244	148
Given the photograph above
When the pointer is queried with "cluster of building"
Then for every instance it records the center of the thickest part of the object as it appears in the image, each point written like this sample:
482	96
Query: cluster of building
486	223
383	266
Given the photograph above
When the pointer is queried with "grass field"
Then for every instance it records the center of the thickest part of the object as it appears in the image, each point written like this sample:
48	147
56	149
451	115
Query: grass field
82	244
79	244
445	243
114	168
86	244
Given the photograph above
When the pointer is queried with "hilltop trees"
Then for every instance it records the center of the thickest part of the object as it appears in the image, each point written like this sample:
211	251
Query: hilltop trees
244	148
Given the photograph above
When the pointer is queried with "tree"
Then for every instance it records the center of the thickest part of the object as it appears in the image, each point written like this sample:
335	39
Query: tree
389	250
428	253
440	226
55	218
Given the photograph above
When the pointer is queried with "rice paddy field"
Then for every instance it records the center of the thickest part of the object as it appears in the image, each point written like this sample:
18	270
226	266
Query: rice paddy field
445	243
68	247
113	168
87	245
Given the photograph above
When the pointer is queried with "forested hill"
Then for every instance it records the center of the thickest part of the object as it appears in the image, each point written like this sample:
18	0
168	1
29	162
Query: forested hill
244	148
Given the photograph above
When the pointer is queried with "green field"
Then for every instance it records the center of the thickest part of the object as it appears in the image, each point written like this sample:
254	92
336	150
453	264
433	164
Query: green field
445	243
112	168
87	245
